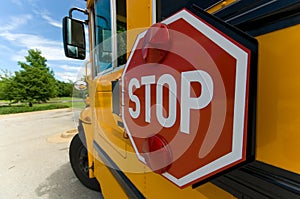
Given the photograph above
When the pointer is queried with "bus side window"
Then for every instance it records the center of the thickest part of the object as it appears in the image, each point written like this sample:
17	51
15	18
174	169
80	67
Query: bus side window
110	35
103	48
121	32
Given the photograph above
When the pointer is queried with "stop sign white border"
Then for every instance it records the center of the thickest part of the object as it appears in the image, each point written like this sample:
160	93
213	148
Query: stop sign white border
239	100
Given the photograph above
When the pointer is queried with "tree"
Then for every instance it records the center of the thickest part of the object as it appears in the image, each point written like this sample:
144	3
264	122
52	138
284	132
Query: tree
35	81
6	85
64	89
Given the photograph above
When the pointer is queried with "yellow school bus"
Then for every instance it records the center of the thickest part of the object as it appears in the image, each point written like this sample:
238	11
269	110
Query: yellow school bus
188	99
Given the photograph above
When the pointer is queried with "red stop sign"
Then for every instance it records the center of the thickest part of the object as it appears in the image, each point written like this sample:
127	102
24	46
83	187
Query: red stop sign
186	97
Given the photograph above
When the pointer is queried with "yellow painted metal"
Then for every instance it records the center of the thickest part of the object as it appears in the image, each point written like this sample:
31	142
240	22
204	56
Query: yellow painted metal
139	18
150	184
278	113
104	82
220	6
112	138
109	186
89	3
153	185
85	117
158	187
278	120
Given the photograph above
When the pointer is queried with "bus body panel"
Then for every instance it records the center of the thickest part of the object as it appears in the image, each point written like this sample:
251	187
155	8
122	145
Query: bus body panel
278	120
113	156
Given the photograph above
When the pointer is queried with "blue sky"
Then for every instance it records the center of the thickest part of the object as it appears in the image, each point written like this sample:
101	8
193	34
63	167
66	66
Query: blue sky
36	24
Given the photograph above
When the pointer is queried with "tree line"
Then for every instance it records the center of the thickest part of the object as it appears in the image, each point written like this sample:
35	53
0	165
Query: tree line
34	83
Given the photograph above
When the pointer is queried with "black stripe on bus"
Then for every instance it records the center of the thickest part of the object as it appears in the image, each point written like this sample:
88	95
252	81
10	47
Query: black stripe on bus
262	16
129	188
254	17
260	180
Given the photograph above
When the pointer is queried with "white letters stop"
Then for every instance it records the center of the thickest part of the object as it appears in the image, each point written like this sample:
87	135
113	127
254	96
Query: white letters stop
187	102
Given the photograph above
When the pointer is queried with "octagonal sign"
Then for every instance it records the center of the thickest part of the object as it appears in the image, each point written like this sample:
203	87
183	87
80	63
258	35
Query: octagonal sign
188	97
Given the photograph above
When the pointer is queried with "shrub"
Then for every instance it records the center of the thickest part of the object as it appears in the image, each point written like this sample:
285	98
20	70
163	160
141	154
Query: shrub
23	108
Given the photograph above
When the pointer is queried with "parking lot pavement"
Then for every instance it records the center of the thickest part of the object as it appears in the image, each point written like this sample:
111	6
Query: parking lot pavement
34	160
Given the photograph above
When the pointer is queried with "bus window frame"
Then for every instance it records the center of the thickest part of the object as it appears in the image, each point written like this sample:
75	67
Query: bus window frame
112	39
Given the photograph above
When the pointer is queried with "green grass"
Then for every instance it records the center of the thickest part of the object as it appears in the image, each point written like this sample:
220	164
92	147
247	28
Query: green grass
4	101
55	103
78	104
26	108
60	99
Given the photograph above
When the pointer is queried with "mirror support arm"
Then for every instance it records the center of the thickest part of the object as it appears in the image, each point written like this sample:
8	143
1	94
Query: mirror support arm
84	11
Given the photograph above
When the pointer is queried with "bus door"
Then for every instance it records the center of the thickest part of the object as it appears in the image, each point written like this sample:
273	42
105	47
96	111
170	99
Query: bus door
108	18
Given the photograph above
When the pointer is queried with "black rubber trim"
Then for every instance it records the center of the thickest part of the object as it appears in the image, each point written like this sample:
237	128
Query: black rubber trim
81	132
261	16
116	97
129	188
256	17
260	180
246	10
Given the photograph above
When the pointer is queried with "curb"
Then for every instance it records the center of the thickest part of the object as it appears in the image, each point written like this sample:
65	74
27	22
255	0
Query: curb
33	112
69	133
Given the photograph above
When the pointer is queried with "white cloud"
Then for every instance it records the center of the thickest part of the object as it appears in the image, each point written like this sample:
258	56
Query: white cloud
5	48
28	39
15	22
51	21
19	56
66	76
70	68
52	50
45	14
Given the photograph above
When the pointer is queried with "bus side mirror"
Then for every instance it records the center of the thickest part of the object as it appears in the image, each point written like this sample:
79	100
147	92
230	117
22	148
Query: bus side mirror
74	38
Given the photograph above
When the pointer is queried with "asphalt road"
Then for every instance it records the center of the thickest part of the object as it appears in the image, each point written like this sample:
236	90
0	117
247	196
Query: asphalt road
34	160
